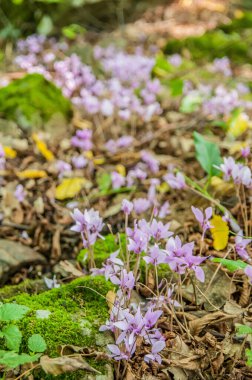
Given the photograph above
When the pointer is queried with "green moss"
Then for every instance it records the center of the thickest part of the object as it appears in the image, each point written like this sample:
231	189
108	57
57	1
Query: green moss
32	100
27	286
104	247
77	311
214	44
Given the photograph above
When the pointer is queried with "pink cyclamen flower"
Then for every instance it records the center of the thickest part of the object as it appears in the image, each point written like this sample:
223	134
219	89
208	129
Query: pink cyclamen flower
203	220
117	180
63	167
82	139
164	210
127	206
20	193
245	152
248	272
150	160
155	349
175	181
79	162
227	167
241	247
156	256
141	205
2	152
89	224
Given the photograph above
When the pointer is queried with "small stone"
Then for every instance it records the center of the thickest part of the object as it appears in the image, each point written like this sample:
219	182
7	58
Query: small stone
14	256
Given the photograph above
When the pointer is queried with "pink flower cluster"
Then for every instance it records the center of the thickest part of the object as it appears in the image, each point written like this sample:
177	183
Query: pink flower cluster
126	323
126	90
239	173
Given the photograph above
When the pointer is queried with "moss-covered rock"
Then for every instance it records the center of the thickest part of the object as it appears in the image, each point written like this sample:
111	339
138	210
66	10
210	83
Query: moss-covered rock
27	286
77	311
32	101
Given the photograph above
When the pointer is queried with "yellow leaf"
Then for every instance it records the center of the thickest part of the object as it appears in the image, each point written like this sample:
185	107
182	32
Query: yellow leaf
220	185
237	147
32	173
238	124
99	161
121	170
163	188
9	152
88	154
69	188
219	232
42	148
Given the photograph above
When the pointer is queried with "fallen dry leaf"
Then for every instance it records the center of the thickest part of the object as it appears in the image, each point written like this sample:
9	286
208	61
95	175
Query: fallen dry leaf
70	268
63	364
197	325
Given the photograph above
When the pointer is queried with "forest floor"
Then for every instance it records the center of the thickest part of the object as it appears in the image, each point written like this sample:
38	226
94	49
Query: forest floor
148	114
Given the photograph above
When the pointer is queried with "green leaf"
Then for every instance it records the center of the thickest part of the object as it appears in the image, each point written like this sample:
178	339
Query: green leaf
190	103
13	337
11	359
36	343
248	353
176	87
104	182
243	329
207	153
231	265
45	25
162	66
12	312
72	31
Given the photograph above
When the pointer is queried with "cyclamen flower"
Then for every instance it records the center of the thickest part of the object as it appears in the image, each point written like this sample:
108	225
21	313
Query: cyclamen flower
152	191
175	181
112	267
180	257
127	206
63	167
160	231
155	349
227	167
245	152
156	256
151	162
248	272
118	354
240	173
2	152
222	65
164	210
20	193
138	240
241	245
175	60
117	180
125	280
141	205
203	220
79	162
82	139
89	224
2	158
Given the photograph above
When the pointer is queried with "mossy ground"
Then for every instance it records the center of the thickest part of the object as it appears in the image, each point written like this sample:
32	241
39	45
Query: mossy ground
77	310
